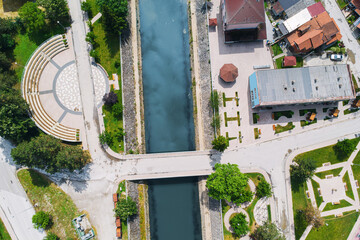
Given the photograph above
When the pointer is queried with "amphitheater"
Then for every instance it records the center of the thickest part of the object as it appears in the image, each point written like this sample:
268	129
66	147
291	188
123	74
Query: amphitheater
50	87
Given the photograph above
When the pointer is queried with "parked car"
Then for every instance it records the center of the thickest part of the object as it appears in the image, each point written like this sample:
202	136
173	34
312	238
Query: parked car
336	57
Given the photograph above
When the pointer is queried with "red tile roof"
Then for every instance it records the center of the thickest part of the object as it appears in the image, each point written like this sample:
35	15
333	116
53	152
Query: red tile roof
316	9
356	3
244	14
320	30
228	72
289	61
213	22
277	8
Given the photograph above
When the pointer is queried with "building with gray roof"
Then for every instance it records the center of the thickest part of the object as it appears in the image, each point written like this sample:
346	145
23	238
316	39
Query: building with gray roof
293	86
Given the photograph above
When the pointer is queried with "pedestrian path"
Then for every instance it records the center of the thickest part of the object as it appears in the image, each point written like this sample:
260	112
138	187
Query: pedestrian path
97	17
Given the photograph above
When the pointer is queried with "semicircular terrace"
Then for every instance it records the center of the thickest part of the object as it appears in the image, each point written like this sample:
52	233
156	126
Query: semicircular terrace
50	87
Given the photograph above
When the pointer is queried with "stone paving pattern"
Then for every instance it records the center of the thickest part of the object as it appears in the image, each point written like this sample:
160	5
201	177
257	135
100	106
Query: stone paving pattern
134	221
216	221
205	72
68	91
128	89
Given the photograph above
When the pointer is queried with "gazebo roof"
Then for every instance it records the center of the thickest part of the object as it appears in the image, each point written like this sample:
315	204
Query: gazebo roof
229	72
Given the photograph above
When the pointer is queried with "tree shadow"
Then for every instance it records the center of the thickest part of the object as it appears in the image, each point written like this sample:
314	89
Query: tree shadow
215	157
38	179
13	5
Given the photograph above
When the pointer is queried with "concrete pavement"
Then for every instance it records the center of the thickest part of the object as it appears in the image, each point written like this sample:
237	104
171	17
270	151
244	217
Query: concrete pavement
348	39
15	209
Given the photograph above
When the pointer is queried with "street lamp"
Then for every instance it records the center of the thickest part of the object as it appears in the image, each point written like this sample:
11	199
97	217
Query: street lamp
61	24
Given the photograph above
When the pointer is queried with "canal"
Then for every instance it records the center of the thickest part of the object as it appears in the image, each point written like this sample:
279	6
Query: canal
169	126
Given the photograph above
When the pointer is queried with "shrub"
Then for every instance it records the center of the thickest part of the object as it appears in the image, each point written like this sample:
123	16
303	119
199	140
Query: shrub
125	208
51	236
303	170
42	220
240	225
220	143
117	110
110	98
86	7
263	189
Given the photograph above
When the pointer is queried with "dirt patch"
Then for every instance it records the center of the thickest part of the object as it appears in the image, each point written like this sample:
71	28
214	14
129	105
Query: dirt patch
351	56
12	5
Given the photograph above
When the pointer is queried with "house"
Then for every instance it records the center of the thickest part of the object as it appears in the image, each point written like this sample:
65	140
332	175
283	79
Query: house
277	10
289	61
243	20
292	7
307	85
320	30
355	5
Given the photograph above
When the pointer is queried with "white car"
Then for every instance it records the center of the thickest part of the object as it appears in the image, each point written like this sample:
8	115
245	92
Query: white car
336	57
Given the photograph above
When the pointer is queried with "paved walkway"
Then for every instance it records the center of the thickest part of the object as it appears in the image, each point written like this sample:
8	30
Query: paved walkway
97	17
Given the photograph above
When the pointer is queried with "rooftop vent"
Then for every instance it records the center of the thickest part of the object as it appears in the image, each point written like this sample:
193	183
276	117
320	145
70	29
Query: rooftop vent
285	87
315	80
292	82
339	78
317	88
340	85
294	89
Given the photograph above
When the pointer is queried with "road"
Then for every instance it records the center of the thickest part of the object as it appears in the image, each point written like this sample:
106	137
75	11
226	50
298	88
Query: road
15	209
347	37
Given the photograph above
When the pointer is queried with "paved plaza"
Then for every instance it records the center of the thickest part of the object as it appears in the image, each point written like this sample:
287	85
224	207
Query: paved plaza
59	88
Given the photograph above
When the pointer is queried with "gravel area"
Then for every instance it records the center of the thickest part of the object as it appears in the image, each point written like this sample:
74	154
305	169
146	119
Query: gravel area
216	222
128	89
134	221
205	71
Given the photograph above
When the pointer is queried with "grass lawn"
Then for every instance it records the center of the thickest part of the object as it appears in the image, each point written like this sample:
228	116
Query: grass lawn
356	169
279	62
318	198
300	201
277	115
50	198
335	228
113	124
342	3
256	118
350	110
250	211
256	133
142	198
23	50
349	191
276	49
325	154
357	89
304	123
330	206
334	172
4	235
279	128
227	235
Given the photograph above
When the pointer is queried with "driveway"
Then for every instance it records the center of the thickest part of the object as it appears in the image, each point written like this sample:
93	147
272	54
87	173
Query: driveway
347	36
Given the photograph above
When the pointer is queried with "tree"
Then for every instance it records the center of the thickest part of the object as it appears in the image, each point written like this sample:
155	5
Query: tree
228	183
15	124
110	98
32	17
313	216
42	220
105	138
51	236
220	143
267	231
7	30
263	189
345	147
303	170
86	7
114	14
117	110
5	63
239	225
125	208
56	10
7	81
48	153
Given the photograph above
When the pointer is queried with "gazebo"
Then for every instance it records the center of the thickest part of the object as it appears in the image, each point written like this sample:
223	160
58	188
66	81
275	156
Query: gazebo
228	72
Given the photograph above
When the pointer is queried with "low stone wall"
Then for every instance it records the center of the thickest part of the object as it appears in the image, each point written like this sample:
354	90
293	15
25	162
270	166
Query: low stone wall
128	87
205	72
134	221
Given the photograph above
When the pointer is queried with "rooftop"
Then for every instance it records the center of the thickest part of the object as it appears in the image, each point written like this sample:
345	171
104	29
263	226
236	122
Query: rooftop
303	85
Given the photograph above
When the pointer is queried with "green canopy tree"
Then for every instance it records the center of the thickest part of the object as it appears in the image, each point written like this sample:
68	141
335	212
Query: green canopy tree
263	189
239	225
303	170
51	236
48	153
114	13
8	30
42	220
15	124
267	231
220	143
56	10
32	17
228	183
125	208
345	147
